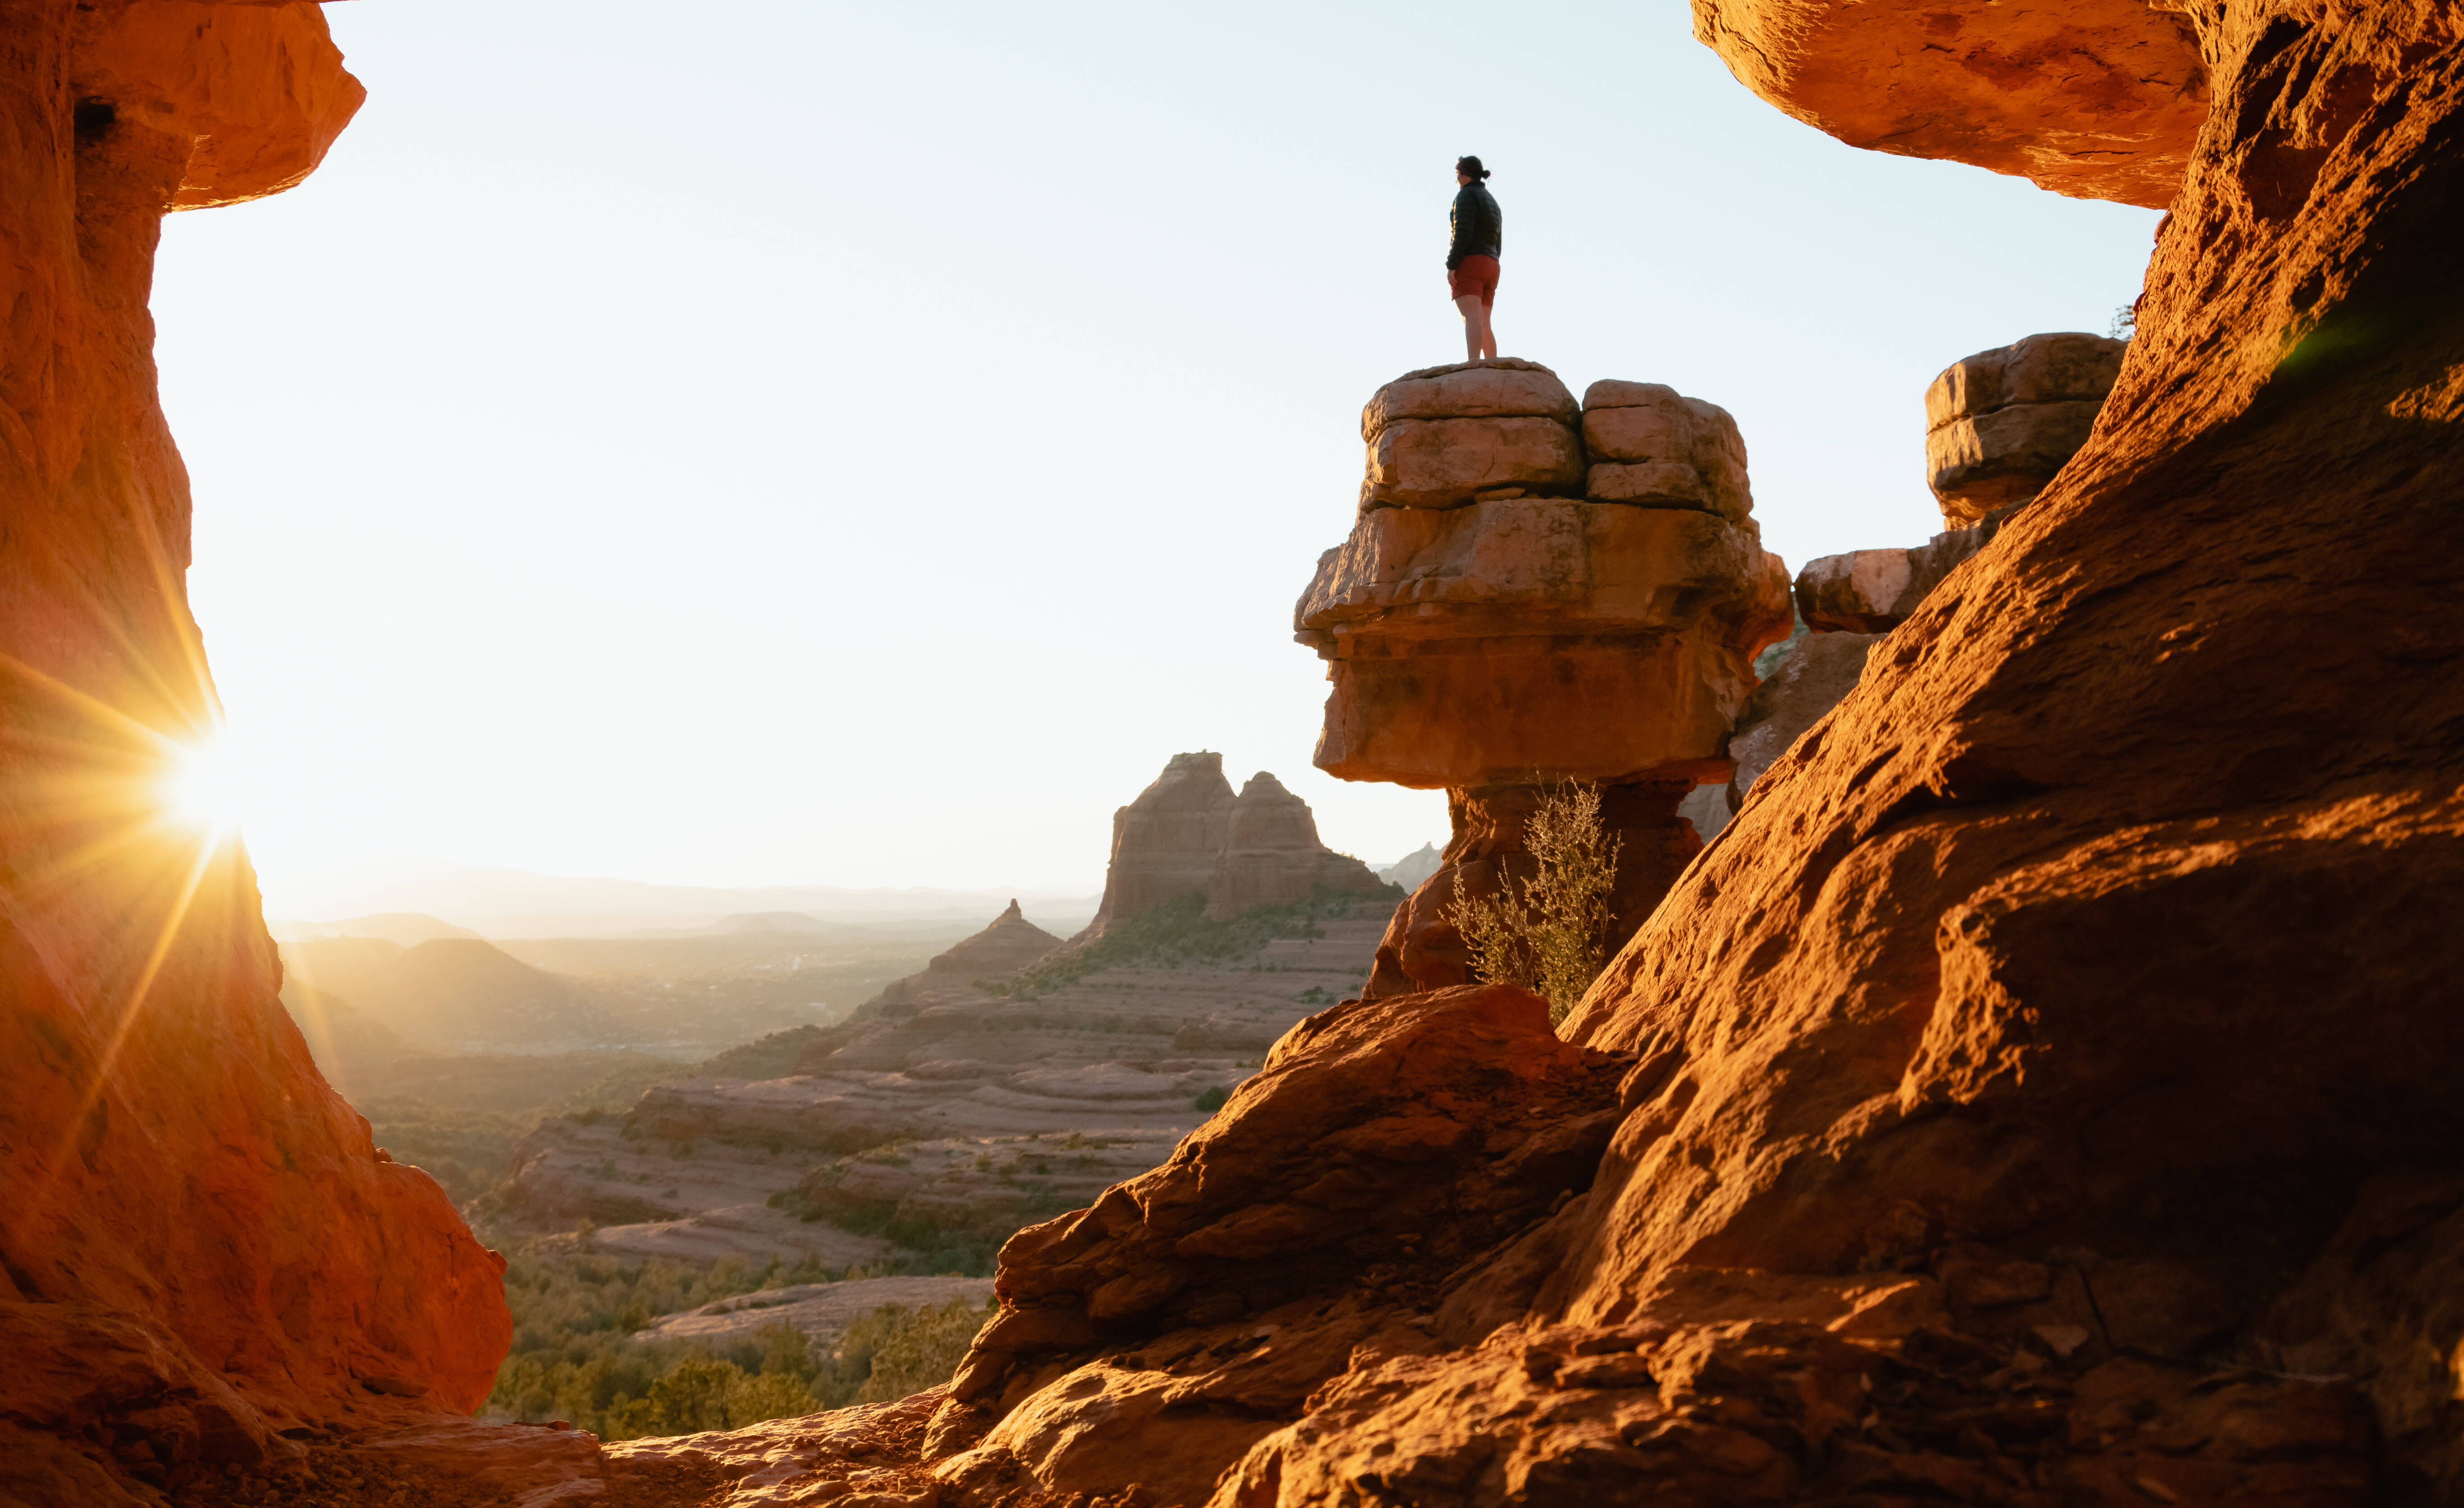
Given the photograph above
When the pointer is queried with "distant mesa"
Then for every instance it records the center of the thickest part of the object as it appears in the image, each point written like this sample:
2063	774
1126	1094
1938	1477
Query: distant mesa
1188	832
1414	867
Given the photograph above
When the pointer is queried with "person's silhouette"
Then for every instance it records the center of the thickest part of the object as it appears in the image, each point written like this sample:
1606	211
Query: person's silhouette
1471	256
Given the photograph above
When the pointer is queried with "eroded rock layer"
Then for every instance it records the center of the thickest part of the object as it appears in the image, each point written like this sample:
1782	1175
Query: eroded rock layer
200	1247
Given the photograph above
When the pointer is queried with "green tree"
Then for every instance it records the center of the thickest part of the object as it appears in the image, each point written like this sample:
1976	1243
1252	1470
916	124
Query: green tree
1547	934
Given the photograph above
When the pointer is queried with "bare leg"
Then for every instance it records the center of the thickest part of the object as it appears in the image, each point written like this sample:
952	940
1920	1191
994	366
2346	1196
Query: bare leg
1478	339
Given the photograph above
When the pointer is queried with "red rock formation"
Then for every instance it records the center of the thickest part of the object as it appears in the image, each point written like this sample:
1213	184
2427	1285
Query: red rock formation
2060	1041
2000	423
1189	834
2096	98
201	1246
1484	638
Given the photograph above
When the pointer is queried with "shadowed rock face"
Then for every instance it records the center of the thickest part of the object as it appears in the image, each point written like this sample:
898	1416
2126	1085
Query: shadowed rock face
2095	98
1188	834
201	1246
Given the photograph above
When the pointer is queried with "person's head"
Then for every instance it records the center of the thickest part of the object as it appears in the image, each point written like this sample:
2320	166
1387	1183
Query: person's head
1468	169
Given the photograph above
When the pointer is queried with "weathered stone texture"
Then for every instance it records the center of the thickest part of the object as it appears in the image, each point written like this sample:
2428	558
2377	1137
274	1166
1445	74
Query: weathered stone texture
1999	424
200	1247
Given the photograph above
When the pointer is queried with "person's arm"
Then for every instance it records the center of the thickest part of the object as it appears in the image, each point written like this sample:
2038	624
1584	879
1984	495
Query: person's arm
1455	232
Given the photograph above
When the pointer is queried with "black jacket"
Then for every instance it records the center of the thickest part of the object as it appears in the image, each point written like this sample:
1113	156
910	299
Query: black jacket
1478	224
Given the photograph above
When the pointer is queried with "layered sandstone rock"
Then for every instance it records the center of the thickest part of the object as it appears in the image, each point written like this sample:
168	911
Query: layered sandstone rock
1188	834
1511	638
1874	592
1440	438
1999	424
1650	445
200	1247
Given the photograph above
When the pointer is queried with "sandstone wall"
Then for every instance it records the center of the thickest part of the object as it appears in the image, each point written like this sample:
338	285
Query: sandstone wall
201	1245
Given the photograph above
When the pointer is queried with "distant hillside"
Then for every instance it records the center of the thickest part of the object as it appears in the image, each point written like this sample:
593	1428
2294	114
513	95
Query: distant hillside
451	994
409	928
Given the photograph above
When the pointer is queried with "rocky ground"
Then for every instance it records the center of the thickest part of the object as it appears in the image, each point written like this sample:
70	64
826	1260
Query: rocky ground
975	1110
821	1311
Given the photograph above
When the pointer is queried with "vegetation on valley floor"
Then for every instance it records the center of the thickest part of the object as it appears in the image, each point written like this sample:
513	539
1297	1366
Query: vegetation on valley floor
1178	934
574	1356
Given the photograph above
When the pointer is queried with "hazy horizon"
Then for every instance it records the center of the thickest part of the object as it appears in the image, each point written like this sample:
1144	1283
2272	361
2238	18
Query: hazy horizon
859	446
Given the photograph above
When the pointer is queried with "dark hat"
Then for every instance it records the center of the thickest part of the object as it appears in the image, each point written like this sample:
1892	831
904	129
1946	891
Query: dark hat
1469	167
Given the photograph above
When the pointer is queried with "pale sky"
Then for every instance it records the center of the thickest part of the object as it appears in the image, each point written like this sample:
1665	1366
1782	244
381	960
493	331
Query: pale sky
806	442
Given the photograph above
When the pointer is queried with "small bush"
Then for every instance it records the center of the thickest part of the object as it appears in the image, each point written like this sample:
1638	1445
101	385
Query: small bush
1212	1101
921	1350
1547	934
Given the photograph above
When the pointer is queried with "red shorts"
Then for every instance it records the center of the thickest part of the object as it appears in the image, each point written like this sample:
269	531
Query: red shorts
1474	275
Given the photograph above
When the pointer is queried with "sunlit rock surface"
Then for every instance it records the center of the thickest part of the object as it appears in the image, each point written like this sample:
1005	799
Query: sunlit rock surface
201	1248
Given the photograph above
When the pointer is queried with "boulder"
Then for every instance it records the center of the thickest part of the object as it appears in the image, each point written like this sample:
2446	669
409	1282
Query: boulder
1999	424
1872	591
1487	643
1651	446
1496	387
1510	640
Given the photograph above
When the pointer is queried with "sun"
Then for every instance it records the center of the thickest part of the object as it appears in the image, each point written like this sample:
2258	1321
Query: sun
203	787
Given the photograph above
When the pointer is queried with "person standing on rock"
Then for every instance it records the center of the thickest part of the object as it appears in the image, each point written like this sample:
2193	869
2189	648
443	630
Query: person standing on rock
1471	256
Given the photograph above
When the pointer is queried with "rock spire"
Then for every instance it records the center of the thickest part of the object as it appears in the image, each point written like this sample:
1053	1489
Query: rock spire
1188	834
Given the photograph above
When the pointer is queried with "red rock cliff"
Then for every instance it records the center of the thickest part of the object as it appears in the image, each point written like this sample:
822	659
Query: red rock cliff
201	1246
